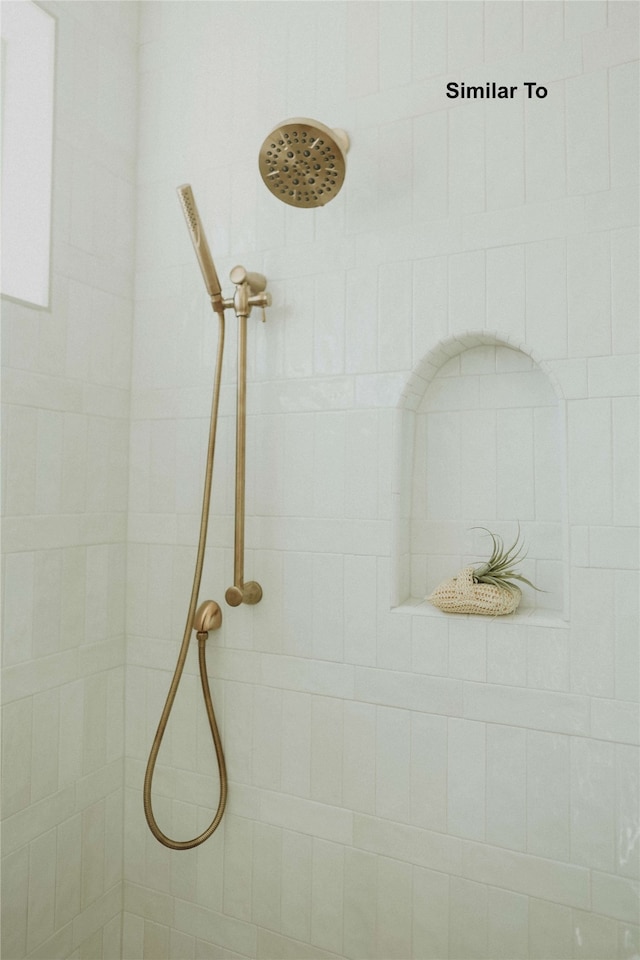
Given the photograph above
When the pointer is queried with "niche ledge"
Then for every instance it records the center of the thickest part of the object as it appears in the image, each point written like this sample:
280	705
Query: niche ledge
527	616
480	441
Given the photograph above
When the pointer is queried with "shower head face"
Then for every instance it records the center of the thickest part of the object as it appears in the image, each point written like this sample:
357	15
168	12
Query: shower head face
303	163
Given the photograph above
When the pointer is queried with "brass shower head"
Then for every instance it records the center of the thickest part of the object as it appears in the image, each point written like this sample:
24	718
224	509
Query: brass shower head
303	163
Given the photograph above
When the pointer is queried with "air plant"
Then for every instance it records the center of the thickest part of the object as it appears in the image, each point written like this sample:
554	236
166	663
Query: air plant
500	569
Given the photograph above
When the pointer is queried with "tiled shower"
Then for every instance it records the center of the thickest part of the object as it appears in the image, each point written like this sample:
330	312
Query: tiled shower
453	341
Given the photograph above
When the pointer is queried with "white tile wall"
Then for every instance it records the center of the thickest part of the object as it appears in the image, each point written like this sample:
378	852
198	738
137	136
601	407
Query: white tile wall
400	785
66	374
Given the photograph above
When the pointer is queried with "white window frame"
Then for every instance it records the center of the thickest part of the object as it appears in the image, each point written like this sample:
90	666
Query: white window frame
28	69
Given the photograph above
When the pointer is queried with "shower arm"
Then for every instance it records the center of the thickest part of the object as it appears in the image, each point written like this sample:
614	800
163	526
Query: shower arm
250	292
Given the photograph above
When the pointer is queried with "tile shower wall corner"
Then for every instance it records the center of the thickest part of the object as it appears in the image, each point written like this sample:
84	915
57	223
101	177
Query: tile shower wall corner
400	786
66	380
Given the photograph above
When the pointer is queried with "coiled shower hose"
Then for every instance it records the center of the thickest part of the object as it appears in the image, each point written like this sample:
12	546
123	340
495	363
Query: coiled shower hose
202	638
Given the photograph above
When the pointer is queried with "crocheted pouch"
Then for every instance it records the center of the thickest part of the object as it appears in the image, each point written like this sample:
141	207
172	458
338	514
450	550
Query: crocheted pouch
462	595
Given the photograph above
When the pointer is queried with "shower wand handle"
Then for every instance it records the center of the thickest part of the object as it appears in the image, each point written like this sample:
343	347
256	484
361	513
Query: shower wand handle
201	247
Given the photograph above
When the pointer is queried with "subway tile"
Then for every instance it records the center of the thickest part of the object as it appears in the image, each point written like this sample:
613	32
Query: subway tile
394	310
429	646
594	936
606	48
17	722
589	294
360	903
507	656
18	606
93	841
546	295
615	896
267	873
465	36
238	852
44	753
296	743
508	924
589	479
41	891
506	289
503	28
466	778
610	209
562	883
466	186
585	18
267	729
428	774
393	746
363	35
361	489
307	816
327	895
614	547
592	803
550	930
430	913
627	784
506	776
359	753
59	945
15	895
548	798
627	674
623	94
468	920
327	750
328	617
430	173
408	691
624	290
306	676
295	895
613	376
215	927
424	848
536	709
615	720
467	294
394	908
429	40
504	150
35	676
68	870
273	946
395	23
591	638
545	142
548	656
360	610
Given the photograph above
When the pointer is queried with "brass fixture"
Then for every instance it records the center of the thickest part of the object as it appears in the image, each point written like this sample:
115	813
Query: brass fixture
203	621
303	162
250	292
201	247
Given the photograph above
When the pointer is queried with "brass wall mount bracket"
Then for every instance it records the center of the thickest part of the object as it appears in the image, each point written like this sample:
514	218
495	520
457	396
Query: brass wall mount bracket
250	292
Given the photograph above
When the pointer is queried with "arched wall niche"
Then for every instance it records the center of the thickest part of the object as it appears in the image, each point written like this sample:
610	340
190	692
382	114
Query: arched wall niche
480	442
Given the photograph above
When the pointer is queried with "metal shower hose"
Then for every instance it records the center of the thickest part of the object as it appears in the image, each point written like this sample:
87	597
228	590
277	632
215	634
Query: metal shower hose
202	638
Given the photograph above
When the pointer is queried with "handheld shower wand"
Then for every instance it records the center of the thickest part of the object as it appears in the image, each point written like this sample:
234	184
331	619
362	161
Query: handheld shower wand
250	292
201	247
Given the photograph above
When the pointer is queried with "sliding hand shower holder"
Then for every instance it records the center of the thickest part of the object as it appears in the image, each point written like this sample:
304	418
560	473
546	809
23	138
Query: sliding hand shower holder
250	292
